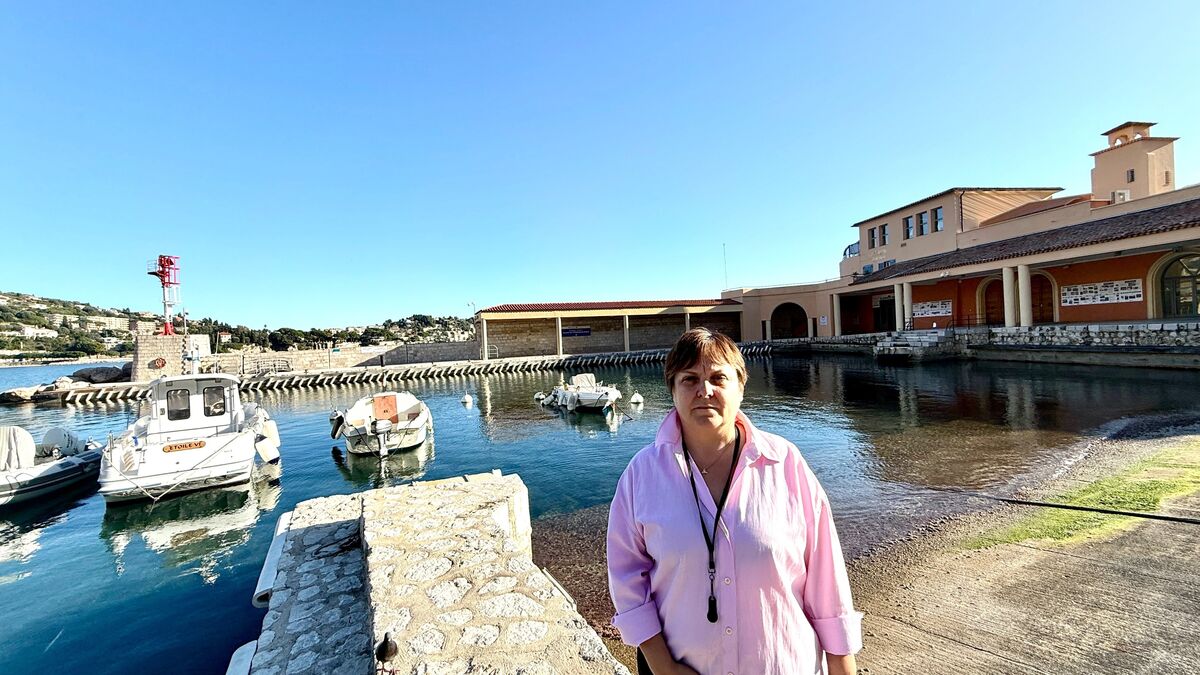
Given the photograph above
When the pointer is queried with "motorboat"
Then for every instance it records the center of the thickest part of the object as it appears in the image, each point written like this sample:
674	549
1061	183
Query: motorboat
29	470
198	435
382	423
583	393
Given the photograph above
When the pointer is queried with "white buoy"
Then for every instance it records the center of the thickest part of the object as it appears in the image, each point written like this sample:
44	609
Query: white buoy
467	400
636	399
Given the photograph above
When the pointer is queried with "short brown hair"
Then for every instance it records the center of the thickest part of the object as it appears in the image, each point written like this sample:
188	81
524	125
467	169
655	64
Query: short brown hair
703	344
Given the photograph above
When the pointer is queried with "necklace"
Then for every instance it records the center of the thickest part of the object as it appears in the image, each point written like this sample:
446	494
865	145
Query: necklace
710	541
704	469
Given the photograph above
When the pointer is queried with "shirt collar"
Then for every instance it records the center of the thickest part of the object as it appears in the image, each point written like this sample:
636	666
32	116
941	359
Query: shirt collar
755	444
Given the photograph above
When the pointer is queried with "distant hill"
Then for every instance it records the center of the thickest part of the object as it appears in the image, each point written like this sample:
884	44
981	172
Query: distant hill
35	327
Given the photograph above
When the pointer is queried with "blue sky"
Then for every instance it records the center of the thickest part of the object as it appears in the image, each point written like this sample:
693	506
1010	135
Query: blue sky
324	165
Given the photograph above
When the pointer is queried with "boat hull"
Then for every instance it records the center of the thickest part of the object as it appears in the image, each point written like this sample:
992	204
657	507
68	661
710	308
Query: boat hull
397	439
26	484
137	488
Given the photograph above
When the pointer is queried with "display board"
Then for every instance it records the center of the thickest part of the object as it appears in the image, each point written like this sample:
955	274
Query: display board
933	308
1102	293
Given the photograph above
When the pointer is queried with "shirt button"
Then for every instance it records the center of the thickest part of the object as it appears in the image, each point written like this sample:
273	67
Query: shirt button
726	581
728	630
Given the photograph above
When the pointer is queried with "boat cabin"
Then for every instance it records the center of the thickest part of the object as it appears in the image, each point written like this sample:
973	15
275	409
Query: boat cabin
188	406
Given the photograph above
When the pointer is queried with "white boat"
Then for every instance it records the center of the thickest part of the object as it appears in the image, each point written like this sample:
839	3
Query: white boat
198	435
382	423
29	470
583	393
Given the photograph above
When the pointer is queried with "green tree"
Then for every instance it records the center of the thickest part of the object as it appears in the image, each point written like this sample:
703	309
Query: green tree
283	338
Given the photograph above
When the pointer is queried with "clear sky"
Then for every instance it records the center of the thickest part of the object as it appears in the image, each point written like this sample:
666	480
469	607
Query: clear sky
341	163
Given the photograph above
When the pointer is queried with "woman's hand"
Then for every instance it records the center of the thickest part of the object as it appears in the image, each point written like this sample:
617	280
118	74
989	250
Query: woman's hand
841	664
659	658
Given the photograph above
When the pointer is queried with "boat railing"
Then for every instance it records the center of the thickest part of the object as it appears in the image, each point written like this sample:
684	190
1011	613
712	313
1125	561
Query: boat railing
263	366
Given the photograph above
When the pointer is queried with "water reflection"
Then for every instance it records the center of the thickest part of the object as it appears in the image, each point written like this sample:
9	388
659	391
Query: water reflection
22	526
195	531
367	472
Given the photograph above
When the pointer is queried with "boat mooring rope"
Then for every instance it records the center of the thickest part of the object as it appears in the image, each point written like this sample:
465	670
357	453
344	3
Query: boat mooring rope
1070	507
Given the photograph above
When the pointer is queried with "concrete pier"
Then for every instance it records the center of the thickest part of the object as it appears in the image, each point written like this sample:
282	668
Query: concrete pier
308	379
443	567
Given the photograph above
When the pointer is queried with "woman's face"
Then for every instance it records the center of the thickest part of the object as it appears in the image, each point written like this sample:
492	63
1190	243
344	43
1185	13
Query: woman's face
707	395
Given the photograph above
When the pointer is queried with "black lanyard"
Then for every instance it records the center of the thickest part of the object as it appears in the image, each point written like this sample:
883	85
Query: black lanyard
711	540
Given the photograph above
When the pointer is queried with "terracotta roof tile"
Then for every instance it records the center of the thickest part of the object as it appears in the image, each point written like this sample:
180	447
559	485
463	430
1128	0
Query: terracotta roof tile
1051	190
631	304
1035	207
1168	218
1127	124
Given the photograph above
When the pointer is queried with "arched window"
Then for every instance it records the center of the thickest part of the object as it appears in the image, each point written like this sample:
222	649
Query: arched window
1181	288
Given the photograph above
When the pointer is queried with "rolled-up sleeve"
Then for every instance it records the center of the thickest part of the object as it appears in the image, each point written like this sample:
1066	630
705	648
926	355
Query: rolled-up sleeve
629	568
827	601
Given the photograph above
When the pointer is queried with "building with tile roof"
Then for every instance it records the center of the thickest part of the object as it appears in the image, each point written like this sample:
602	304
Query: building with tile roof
1003	256
1127	251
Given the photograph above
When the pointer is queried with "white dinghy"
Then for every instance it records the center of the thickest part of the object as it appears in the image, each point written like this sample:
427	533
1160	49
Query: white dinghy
198	435
382	423
29	470
583	393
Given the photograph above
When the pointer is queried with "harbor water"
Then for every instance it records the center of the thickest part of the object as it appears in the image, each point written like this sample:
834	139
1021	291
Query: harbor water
154	588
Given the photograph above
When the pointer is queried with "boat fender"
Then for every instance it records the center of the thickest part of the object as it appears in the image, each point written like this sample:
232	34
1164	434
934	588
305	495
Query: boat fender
268	451
337	423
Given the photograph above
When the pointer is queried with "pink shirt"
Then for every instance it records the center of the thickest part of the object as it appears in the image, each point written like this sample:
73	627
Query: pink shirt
782	591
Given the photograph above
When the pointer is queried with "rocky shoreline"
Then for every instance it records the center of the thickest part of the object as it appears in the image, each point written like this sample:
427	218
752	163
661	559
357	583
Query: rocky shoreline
571	546
82	378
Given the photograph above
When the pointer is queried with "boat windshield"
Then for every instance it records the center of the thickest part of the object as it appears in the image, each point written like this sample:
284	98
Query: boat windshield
584	380
179	405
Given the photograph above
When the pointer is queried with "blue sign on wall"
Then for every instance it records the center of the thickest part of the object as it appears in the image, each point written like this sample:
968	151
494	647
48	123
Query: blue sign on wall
581	331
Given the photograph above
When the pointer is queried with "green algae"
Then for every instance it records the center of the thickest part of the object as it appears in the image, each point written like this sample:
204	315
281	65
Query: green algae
1143	487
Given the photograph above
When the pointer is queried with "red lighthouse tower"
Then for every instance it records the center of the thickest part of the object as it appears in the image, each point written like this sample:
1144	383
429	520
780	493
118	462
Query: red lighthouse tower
167	271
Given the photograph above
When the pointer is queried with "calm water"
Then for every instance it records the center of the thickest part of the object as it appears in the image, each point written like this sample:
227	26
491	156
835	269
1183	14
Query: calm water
132	588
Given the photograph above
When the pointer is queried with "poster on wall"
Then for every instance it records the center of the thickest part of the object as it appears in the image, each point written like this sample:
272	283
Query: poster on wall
824	320
933	308
1102	293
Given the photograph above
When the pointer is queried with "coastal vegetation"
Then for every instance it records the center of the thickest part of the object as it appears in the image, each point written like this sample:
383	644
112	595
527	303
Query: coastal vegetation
1144	488
33	327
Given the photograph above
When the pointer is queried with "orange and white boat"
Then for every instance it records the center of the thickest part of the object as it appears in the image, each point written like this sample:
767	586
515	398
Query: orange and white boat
382	423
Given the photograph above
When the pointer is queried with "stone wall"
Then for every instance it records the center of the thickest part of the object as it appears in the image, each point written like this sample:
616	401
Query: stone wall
524	337
608	335
654	332
729	324
148	348
536	337
442	568
346	356
1164	334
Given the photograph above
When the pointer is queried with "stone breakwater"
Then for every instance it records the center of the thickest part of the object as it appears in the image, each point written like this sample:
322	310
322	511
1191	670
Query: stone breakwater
443	567
101	394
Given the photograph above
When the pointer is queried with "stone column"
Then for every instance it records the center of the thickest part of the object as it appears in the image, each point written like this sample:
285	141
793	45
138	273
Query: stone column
626	317
1010	297
837	315
907	304
898	291
558	335
483	337
1025	295
767	324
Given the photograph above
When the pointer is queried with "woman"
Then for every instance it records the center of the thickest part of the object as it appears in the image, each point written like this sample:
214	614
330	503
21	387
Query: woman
762	591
